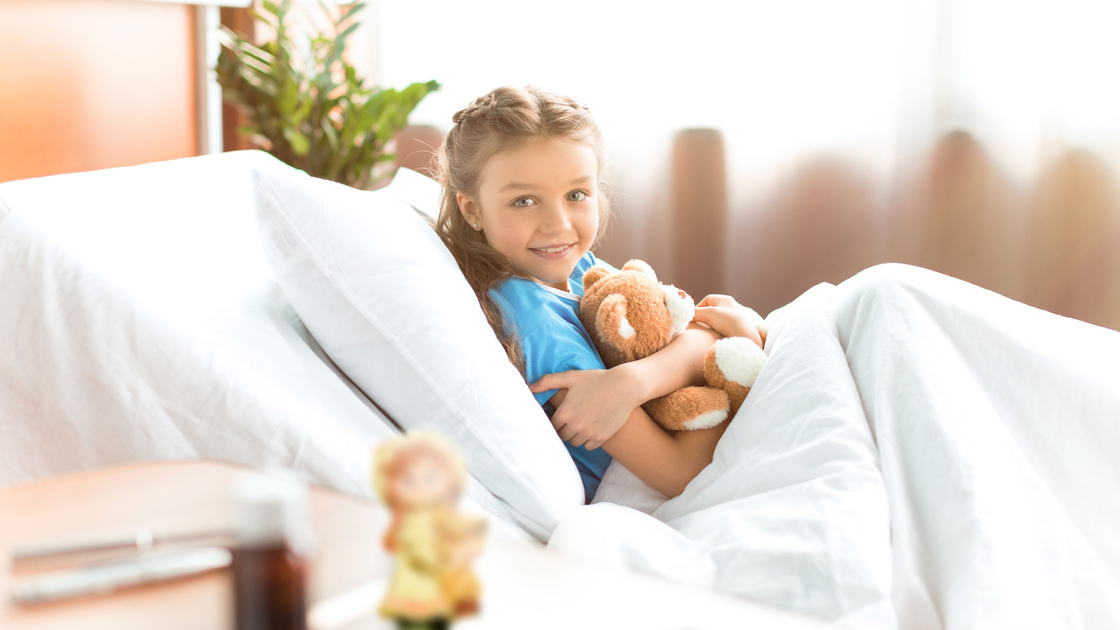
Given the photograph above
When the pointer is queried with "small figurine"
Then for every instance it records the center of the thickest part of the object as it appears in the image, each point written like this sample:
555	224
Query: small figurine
420	477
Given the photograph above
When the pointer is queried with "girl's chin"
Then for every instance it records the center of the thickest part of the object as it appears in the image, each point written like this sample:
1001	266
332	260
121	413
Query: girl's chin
554	266
553	276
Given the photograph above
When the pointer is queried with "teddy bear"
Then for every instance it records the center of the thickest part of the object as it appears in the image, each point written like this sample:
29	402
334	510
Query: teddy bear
630	315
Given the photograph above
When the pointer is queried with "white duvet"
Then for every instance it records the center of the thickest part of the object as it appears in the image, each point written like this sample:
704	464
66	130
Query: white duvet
917	453
110	354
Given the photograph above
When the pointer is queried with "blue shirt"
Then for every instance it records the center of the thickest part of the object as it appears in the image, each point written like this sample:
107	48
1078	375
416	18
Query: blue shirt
546	323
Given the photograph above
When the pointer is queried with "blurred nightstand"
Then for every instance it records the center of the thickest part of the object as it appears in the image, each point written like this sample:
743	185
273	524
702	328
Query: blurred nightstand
524	586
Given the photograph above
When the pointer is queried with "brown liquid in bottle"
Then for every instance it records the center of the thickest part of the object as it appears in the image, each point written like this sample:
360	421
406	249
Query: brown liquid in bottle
270	588
270	564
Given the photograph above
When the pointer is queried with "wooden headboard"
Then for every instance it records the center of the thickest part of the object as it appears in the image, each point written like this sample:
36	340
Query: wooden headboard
90	84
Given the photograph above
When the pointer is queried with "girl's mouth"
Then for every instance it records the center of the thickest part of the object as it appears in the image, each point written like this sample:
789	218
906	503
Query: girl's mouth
552	252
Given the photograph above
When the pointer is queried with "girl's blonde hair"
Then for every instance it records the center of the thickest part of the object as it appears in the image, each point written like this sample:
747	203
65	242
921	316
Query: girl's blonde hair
503	120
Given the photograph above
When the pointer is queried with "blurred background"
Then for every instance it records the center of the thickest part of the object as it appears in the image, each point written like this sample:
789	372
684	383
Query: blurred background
758	148
755	148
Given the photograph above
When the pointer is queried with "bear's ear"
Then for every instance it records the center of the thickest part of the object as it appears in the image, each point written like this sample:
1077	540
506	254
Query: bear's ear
640	266
593	275
613	327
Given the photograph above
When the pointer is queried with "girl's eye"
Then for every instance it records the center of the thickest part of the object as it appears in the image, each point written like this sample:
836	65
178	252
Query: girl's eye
522	202
577	195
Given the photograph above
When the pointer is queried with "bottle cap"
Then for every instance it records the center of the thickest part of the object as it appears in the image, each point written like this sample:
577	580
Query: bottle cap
273	509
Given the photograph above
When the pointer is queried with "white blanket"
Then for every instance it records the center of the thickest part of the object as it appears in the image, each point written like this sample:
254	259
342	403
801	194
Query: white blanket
917	453
138	322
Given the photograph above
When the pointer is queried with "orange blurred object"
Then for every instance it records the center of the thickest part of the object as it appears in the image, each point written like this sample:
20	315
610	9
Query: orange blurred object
91	84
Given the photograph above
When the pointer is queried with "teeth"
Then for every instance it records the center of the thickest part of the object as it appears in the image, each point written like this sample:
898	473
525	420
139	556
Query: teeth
552	250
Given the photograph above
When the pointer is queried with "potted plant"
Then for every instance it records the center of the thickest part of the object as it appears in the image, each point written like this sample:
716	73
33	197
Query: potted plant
305	103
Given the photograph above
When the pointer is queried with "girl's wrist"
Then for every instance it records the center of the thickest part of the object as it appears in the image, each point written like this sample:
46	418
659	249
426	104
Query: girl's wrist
634	385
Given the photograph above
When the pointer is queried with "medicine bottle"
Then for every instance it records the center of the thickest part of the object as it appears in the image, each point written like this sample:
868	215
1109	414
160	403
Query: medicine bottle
270	561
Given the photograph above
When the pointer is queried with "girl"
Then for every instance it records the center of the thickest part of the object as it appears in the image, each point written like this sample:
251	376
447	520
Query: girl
524	201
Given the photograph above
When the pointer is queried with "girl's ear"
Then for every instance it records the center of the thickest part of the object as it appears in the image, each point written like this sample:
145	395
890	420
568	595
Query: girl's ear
467	208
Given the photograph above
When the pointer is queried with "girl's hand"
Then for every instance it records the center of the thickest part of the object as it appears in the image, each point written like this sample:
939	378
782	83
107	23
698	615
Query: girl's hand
727	317
592	405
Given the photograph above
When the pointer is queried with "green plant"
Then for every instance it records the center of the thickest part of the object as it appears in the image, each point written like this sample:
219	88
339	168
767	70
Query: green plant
306	105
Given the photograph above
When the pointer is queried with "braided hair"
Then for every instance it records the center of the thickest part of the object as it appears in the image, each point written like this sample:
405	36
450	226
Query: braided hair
503	120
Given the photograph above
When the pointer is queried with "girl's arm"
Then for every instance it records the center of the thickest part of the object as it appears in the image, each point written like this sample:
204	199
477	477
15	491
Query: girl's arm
677	365
667	462
599	402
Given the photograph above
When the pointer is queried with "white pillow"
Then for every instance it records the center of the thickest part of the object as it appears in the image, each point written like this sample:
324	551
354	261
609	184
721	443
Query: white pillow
385	299
417	190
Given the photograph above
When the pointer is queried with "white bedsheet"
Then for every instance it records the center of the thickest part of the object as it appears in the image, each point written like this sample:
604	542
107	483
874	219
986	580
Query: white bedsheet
917	453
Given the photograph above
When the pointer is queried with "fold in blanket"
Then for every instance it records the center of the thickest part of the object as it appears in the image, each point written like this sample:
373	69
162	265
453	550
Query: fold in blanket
998	427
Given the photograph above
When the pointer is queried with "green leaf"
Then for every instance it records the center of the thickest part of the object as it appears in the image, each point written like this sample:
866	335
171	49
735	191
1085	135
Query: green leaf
263	17
245	48
351	11
301	144
347	33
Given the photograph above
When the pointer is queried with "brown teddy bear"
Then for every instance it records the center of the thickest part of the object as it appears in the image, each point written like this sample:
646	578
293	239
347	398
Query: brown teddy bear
630	315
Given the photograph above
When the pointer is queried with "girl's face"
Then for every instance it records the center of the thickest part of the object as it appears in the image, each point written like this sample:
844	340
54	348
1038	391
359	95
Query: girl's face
538	206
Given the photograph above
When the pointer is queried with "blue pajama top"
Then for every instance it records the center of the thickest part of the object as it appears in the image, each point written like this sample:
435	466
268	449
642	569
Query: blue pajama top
546	322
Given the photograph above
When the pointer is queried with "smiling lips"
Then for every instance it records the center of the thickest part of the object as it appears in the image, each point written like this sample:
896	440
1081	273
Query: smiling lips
552	252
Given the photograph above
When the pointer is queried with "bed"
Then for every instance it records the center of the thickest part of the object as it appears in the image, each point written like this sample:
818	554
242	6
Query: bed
917	452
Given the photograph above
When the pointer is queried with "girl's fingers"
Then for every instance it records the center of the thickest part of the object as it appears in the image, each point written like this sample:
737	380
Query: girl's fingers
565	430
560	422
719	302
717	318
716	299
705	315
558	380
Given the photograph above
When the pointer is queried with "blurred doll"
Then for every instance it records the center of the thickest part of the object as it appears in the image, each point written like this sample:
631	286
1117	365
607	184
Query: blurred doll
420	477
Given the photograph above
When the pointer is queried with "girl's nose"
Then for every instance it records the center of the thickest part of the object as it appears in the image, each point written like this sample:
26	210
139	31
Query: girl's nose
556	219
